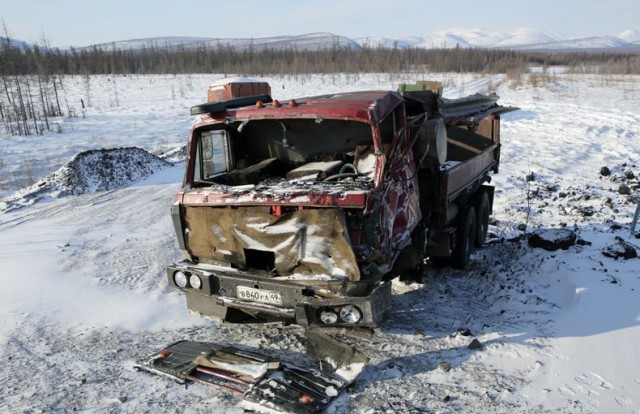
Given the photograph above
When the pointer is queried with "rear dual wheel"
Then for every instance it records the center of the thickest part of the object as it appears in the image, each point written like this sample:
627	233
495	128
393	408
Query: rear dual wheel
465	239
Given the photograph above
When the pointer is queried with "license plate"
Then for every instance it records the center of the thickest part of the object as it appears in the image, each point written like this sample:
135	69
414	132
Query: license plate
260	295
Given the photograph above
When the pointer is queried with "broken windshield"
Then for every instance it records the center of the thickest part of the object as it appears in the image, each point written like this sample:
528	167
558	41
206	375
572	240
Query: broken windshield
298	151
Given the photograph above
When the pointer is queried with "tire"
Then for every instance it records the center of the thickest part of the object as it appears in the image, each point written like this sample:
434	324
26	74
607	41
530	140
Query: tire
465	239
482	219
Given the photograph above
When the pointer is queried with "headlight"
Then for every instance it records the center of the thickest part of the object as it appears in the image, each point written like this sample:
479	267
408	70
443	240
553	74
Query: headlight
350	314
328	317
181	279
195	282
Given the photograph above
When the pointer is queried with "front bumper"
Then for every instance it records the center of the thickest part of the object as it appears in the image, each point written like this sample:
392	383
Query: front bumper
301	302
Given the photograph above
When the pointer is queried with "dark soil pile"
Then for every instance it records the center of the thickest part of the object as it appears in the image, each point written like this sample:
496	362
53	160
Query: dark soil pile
90	171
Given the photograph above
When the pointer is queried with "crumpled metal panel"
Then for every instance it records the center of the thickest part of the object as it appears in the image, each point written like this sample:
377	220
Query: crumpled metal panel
305	243
266	384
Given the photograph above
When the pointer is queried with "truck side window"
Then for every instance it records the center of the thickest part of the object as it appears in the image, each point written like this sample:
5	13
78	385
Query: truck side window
214	150
388	128
391	124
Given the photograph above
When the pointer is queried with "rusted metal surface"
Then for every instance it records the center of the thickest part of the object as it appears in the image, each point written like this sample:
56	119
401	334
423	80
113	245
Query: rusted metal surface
225	90
345	199
266	383
296	244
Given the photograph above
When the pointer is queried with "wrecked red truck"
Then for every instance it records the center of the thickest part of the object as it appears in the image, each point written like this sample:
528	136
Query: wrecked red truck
305	210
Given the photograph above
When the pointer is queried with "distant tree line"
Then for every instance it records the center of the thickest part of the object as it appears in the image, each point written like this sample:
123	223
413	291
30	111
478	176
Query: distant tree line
224	59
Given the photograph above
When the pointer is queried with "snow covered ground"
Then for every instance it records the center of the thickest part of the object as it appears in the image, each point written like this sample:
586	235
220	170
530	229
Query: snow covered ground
84	293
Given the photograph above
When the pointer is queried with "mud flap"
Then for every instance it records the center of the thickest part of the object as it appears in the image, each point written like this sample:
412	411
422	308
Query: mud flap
267	385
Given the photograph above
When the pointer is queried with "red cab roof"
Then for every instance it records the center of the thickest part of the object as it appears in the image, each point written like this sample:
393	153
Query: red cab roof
364	106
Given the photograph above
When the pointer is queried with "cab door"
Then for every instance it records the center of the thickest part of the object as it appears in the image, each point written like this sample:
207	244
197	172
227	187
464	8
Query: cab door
400	212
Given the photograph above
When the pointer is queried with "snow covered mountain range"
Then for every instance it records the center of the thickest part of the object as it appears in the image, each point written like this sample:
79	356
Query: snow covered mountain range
521	39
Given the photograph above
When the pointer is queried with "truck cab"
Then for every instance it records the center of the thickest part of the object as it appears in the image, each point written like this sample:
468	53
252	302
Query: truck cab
303	210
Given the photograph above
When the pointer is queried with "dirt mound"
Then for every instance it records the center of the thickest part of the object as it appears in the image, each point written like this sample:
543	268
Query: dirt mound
90	171
105	169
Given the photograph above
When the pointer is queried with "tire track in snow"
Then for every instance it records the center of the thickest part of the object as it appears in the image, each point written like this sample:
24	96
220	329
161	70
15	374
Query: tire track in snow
56	208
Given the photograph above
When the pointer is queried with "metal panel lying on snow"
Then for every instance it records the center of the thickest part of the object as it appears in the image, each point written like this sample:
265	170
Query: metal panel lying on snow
267	385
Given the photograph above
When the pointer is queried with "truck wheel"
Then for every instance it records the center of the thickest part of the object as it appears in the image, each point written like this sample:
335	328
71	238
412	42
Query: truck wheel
465	239
482	220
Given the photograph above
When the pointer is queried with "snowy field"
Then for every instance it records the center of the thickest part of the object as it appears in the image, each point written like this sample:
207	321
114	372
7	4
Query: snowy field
84	293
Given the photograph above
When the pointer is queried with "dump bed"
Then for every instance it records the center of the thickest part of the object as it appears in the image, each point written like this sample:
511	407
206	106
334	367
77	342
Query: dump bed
466	135
470	156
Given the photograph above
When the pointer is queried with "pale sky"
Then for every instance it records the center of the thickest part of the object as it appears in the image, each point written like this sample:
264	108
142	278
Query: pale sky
83	22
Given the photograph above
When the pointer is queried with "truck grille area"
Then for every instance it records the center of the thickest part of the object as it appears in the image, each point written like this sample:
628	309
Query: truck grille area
309	243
